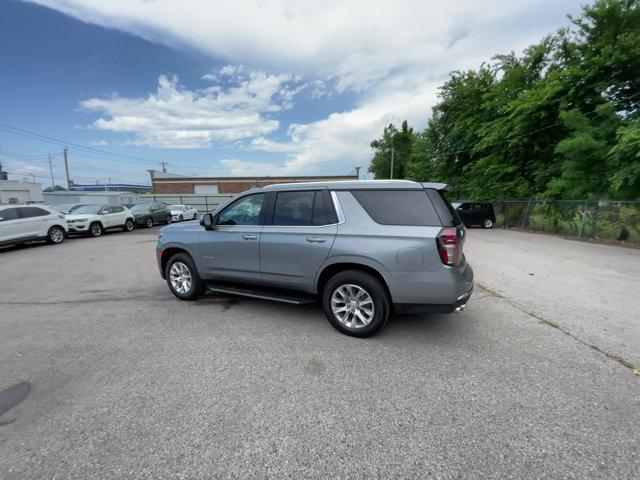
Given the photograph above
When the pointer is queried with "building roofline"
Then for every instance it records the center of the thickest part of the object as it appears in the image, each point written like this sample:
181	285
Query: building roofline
255	178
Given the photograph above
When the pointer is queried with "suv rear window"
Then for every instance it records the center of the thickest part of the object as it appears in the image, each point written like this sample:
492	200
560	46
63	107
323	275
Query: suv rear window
446	212
398	207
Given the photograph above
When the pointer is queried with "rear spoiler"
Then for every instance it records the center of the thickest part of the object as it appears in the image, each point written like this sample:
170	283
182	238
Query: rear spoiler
444	187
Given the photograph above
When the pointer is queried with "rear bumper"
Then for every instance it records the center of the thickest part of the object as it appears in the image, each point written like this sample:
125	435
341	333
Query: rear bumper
444	286
413	308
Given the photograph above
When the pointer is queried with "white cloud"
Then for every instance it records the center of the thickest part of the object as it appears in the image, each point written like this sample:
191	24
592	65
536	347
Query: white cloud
241	168
27	169
357	41
100	143
390	56
228	70
175	117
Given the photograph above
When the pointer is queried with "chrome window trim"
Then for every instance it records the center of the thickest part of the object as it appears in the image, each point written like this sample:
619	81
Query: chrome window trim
336	205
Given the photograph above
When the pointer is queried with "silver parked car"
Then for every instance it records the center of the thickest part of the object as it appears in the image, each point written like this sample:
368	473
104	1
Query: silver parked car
365	249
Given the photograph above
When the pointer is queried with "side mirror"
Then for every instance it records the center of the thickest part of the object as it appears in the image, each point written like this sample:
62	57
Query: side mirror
207	221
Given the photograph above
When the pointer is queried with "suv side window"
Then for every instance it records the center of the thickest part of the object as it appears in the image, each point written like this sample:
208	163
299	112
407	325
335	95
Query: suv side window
398	207
8	214
320	216
244	211
117	209
30	212
294	208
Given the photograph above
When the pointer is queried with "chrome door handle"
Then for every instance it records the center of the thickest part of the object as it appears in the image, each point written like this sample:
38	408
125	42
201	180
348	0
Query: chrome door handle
316	239
250	237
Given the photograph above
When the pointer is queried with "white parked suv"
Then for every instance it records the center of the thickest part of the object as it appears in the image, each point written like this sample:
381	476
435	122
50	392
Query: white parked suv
183	212
29	223
93	220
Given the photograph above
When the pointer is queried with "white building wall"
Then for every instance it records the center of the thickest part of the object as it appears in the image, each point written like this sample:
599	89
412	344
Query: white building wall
12	191
205	189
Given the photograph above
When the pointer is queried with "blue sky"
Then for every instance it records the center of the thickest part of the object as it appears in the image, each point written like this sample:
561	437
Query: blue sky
240	88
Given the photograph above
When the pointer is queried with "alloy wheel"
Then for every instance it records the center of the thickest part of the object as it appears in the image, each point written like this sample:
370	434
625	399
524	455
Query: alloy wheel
352	306
56	235
180	277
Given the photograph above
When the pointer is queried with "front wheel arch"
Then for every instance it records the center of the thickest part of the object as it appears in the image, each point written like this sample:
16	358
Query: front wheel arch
98	222
167	253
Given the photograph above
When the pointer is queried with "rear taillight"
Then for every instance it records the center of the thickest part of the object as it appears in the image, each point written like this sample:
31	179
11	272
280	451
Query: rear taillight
449	246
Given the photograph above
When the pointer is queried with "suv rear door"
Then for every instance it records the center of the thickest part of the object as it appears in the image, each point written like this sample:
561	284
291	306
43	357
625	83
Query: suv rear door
299	231
159	213
33	221
231	250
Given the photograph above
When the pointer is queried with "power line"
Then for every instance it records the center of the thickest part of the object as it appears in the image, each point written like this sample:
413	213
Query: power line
64	142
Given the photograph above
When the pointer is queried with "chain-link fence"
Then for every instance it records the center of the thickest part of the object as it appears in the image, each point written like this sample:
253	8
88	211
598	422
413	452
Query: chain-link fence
607	220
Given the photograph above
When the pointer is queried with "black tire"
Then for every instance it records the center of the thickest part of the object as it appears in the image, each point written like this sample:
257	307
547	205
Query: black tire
180	218
148	222
197	287
55	235
96	230
487	223
128	225
168	222
373	287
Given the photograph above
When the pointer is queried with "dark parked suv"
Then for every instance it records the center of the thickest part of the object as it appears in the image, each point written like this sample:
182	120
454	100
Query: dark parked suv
476	213
150	214
364	249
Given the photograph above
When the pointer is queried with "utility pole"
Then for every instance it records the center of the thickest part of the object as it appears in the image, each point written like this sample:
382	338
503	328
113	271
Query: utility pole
53	183
108	184
393	154
164	167
66	167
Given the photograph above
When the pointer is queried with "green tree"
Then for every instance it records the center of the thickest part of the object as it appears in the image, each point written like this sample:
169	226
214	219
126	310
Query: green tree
401	142
559	120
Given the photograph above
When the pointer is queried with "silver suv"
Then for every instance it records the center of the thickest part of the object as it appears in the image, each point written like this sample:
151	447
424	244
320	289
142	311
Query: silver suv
365	249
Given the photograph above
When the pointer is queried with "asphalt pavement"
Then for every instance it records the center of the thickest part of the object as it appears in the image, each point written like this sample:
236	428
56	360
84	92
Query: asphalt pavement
119	379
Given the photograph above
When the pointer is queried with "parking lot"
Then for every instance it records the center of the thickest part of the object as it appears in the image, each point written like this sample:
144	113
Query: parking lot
121	380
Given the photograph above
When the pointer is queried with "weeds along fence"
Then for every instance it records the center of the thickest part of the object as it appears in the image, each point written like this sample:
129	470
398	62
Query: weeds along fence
605	219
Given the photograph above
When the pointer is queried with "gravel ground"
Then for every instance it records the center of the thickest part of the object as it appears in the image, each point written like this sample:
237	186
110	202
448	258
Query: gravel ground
124	381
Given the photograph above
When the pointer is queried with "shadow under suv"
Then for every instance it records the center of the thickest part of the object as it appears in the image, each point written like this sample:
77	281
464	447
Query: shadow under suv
365	249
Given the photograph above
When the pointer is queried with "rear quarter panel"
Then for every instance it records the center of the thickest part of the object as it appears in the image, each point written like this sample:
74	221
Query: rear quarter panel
406	256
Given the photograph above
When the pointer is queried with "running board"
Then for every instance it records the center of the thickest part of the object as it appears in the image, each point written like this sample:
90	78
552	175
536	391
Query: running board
262	294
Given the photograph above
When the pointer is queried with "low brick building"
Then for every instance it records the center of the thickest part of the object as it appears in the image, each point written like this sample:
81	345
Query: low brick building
169	183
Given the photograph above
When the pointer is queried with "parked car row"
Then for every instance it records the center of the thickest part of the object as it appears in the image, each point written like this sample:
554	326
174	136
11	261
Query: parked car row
31	223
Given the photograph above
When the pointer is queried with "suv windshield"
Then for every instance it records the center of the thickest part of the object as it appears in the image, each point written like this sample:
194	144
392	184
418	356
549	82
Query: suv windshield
141	207
93	209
